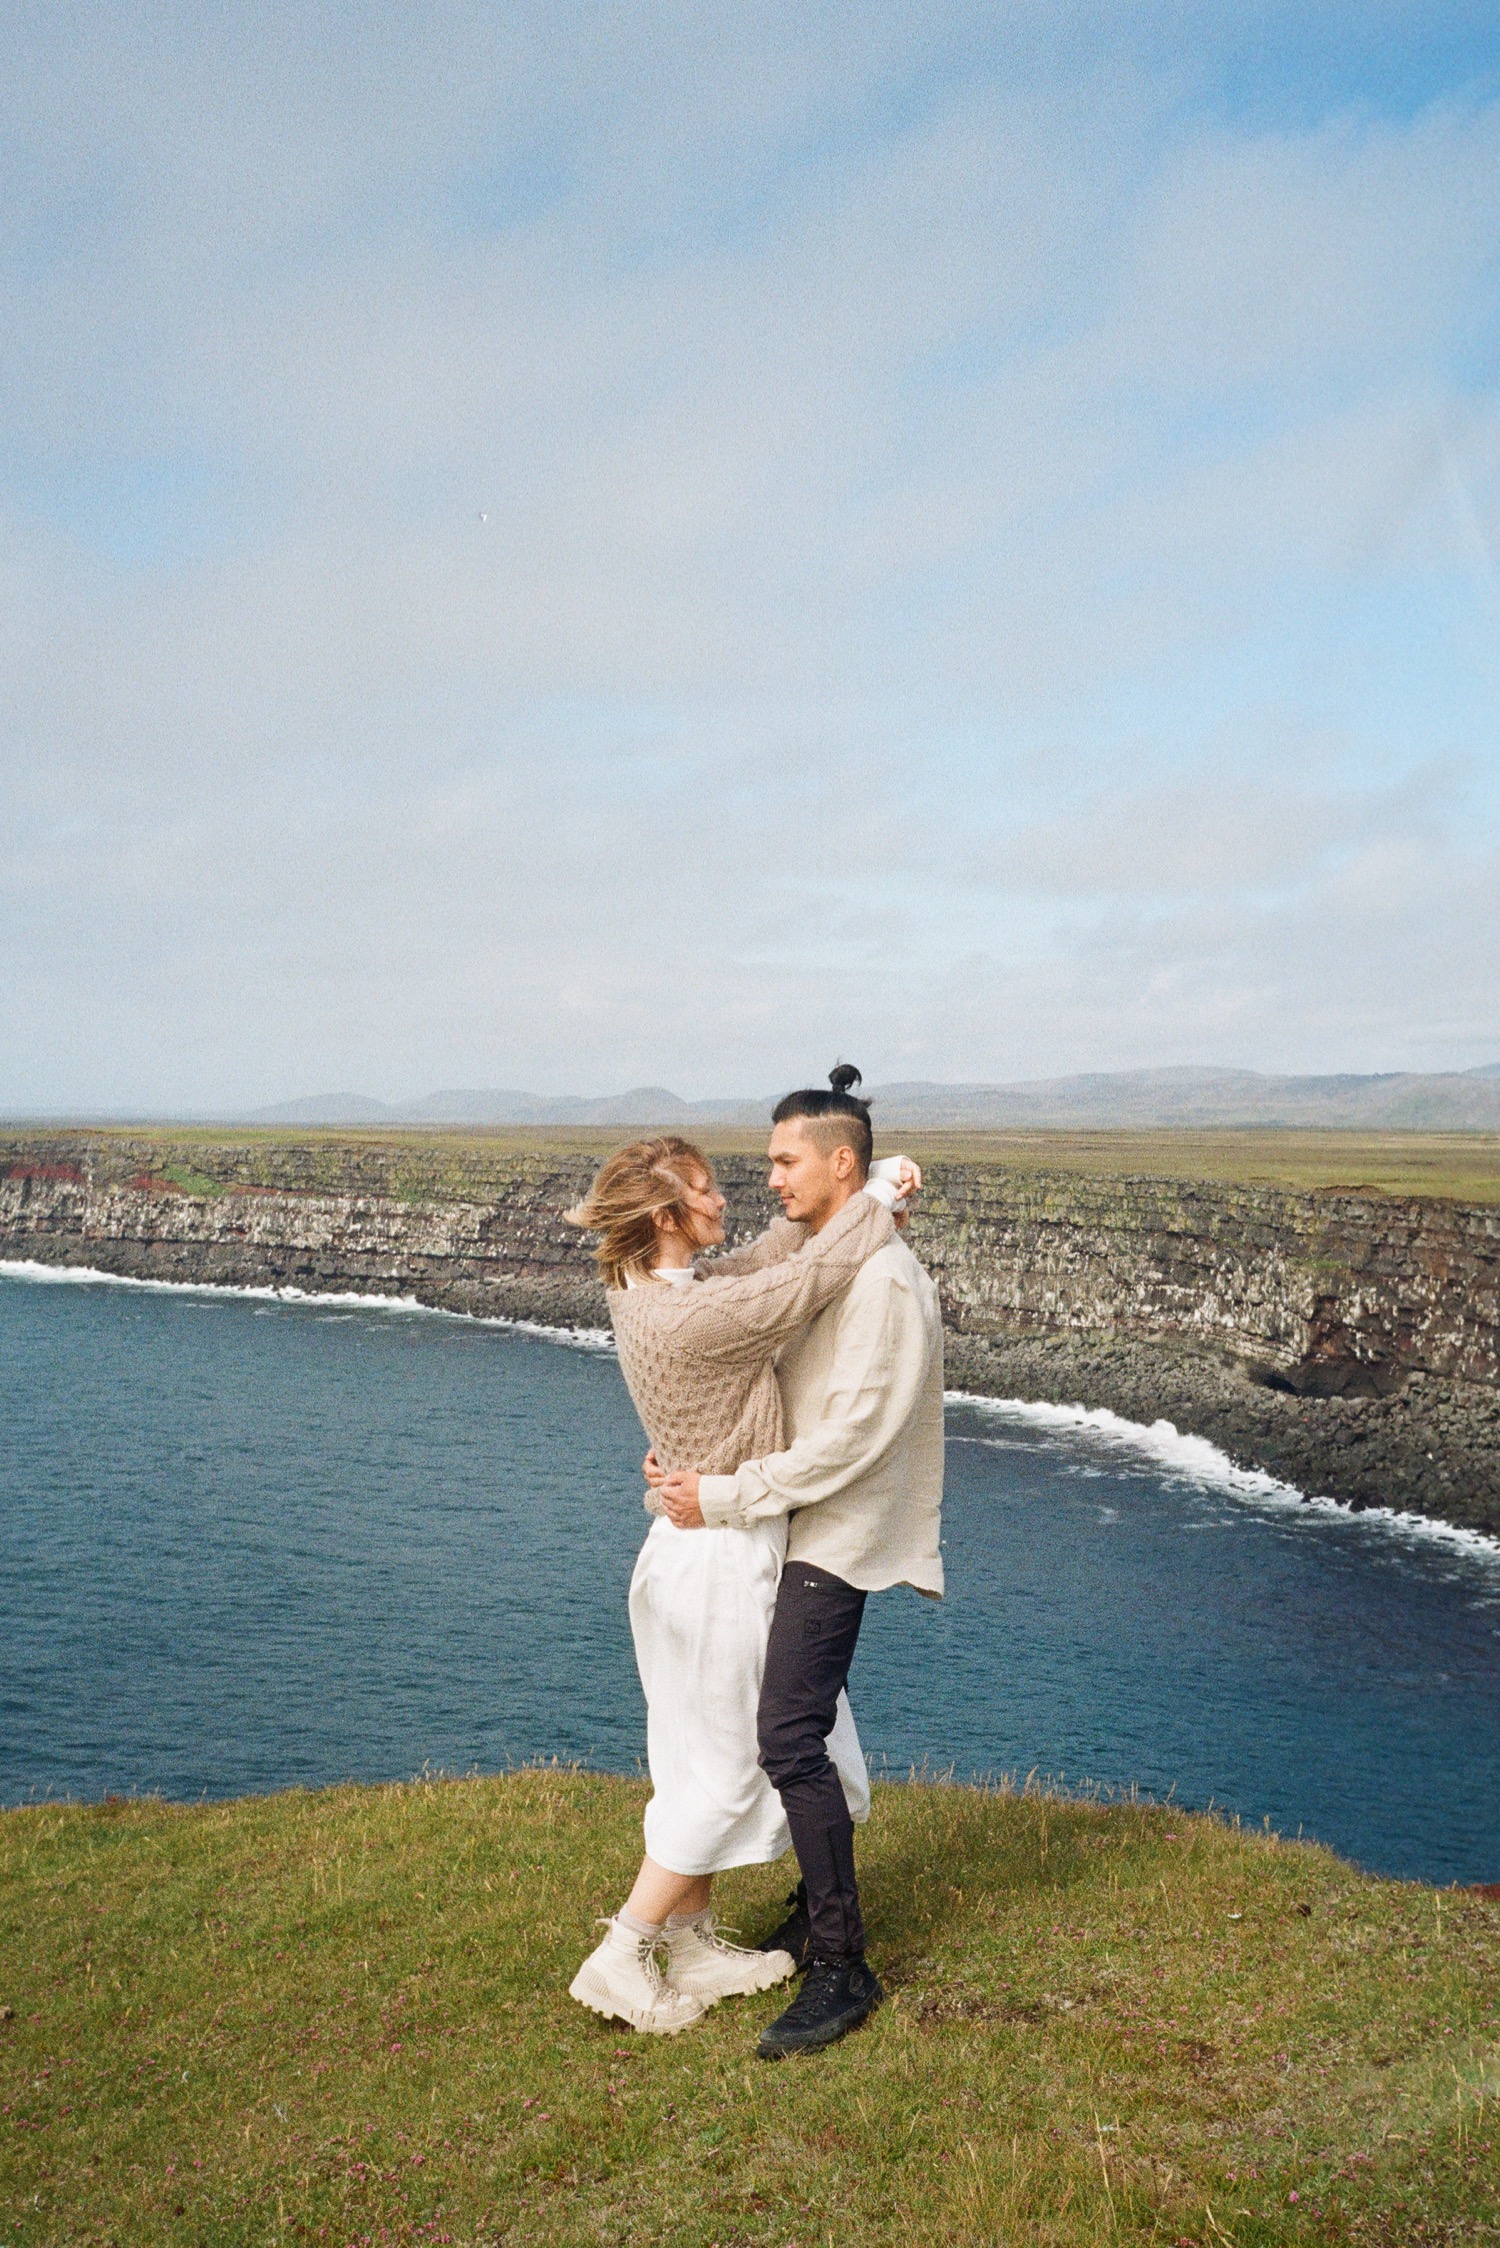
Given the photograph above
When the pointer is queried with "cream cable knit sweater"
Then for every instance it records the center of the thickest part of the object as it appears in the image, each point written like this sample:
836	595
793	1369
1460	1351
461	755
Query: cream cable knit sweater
697	1360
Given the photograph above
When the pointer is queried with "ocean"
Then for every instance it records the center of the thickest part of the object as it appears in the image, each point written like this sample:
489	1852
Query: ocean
250	1543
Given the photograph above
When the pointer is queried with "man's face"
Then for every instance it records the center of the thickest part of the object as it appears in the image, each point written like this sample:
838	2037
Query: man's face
812	1181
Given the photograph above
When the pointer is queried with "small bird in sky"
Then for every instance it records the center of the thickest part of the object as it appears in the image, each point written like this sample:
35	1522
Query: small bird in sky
483	517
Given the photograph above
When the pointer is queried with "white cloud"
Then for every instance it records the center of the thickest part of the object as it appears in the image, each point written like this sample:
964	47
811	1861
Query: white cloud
1005	520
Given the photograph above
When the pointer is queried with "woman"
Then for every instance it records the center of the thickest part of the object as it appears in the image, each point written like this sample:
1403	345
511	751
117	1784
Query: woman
697	1356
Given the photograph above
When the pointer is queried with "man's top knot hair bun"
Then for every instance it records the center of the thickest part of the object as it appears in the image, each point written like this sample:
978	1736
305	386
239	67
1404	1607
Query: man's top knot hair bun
840	1117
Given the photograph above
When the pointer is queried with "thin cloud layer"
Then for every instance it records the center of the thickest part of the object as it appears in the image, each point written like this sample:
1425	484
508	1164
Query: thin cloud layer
542	548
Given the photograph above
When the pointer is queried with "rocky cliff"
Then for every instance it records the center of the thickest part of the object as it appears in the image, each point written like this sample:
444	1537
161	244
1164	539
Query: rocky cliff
1349	1342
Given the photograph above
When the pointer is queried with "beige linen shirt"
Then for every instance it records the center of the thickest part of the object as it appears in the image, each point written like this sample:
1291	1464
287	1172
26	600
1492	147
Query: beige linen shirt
862	1473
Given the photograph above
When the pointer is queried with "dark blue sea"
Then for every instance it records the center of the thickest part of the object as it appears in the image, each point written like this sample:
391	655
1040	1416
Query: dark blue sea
255	1544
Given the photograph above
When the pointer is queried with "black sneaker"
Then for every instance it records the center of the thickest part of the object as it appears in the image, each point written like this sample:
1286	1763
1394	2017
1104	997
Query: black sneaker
837	1996
795	1933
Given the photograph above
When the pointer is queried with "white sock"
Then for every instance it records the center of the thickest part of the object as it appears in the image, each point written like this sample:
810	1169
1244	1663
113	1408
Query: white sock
687	1919
633	1921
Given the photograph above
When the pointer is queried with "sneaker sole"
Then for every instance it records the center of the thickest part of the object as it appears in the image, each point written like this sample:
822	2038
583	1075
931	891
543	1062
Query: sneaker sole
592	1991
778	1968
829	2035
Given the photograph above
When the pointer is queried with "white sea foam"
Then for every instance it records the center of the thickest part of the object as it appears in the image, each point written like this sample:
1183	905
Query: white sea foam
572	1338
1193	1460
1185	1459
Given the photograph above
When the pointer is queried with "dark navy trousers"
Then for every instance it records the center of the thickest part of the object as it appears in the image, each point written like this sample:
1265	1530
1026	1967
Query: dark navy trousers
814	1633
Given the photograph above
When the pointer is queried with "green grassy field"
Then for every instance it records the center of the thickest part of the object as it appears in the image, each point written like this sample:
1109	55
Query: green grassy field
444	1163
342	2018
1456	1166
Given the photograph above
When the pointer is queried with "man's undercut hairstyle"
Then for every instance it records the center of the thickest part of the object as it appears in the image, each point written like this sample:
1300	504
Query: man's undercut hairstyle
835	1118
650	1178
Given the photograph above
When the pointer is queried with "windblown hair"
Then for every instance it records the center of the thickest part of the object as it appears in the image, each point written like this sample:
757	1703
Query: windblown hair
641	1182
837	1118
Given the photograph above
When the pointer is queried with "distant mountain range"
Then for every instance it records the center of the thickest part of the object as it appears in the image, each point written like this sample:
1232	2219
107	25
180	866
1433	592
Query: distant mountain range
646	1104
1456	1101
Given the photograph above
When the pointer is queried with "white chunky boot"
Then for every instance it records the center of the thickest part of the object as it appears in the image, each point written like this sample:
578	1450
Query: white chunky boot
622	1981
701	1963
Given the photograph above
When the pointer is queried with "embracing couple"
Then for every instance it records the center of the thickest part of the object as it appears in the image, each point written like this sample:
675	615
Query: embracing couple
792	1392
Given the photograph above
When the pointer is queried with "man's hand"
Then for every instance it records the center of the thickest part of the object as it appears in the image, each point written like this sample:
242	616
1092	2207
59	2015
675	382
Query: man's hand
679	1494
909	1185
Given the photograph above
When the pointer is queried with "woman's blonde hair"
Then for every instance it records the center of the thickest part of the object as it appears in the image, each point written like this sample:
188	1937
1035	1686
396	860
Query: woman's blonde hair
647	1179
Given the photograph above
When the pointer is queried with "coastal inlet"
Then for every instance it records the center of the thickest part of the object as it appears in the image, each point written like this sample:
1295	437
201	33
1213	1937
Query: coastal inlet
1345	1341
248	1544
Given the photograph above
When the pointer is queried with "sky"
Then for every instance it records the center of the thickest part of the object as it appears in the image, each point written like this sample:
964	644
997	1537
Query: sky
573	546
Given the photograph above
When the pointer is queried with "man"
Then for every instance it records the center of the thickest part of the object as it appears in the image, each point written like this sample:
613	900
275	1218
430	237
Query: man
861	1477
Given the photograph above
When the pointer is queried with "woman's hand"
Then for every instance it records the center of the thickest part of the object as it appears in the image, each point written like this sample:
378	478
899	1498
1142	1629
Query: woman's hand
679	1493
910	1186
653	1471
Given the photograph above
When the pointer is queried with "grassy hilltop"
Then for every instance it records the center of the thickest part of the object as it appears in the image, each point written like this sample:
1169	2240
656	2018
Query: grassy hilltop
341	2018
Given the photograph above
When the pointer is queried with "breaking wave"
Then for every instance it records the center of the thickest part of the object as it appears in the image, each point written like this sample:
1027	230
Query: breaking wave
597	1339
1193	1460
1190	1460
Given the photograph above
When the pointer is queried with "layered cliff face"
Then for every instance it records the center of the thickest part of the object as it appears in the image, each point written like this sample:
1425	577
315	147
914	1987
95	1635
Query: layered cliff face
513	1257
1348	1342
1333	1294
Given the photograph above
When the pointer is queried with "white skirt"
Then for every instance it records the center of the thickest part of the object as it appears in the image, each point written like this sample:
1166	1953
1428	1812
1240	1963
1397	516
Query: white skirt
700	1611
